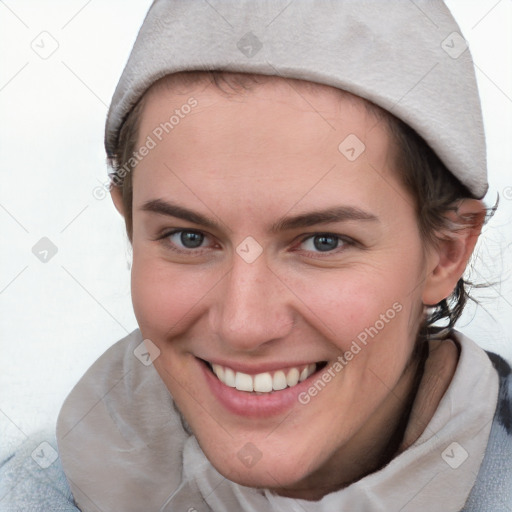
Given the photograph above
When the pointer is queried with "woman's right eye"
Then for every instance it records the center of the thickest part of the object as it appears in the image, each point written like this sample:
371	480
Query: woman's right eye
188	239
185	240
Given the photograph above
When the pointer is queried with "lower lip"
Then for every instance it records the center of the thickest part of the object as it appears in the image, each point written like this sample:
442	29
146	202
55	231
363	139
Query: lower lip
251	405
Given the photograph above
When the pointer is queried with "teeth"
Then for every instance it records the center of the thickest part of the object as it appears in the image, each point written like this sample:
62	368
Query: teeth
279	380
229	378
219	371
304	374
263	382
243	382
293	377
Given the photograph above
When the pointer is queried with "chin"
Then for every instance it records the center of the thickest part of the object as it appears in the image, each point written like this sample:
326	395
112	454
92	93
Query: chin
277	472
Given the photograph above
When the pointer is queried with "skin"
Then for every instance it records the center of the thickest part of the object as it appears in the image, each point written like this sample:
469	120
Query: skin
245	162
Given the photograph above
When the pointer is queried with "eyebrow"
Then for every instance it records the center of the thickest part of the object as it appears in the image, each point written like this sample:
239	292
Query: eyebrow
329	215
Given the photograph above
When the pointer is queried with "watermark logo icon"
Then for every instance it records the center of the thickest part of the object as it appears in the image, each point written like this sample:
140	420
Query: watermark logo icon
249	44
146	352
351	147
44	455
249	455
249	249
45	45
454	45
44	250
454	455
99	192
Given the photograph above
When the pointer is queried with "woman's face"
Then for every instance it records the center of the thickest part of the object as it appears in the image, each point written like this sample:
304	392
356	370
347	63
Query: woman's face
267	240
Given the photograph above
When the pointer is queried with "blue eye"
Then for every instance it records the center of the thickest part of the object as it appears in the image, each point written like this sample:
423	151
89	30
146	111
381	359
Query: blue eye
187	239
323	242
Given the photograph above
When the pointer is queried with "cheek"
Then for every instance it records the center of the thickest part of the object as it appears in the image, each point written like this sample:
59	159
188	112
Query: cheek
165	296
369	314
346	302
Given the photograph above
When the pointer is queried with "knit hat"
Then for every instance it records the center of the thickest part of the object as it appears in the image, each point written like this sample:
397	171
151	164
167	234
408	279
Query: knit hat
407	57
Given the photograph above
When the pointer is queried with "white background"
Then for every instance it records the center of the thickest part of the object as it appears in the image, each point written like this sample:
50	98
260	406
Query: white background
57	317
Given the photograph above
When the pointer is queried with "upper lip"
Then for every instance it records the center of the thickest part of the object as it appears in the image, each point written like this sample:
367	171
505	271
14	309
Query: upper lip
255	369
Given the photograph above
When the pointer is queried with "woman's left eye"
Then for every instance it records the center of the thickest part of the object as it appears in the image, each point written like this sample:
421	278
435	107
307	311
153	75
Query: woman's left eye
322	242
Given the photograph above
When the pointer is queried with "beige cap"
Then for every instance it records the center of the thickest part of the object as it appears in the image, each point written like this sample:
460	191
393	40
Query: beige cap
407	57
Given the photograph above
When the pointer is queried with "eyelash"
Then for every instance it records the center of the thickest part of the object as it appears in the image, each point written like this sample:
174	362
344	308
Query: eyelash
343	242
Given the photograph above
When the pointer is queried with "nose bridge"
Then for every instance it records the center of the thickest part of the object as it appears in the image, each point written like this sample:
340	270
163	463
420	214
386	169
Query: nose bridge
251	308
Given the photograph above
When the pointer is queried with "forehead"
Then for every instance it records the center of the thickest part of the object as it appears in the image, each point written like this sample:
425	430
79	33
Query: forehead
282	139
328	103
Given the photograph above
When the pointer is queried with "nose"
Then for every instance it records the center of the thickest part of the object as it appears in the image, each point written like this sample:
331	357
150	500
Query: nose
252	307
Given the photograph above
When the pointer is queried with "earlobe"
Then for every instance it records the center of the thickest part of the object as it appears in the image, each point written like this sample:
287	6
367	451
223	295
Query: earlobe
449	258
116	193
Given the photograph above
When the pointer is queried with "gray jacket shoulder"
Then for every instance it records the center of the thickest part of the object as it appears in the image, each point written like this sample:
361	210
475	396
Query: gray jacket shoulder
32	479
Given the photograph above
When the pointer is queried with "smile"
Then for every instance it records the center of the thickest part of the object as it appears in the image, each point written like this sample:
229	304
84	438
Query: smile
256	393
266	382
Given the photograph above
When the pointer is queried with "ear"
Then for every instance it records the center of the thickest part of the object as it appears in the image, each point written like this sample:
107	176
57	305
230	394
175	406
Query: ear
116	193
447	261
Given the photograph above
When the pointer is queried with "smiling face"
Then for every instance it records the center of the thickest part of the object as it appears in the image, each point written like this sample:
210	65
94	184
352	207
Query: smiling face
260	249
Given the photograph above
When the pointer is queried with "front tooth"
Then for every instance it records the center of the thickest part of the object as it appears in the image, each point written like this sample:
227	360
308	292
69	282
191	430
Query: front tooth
293	377
304	374
243	382
263	383
229	378
279	381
